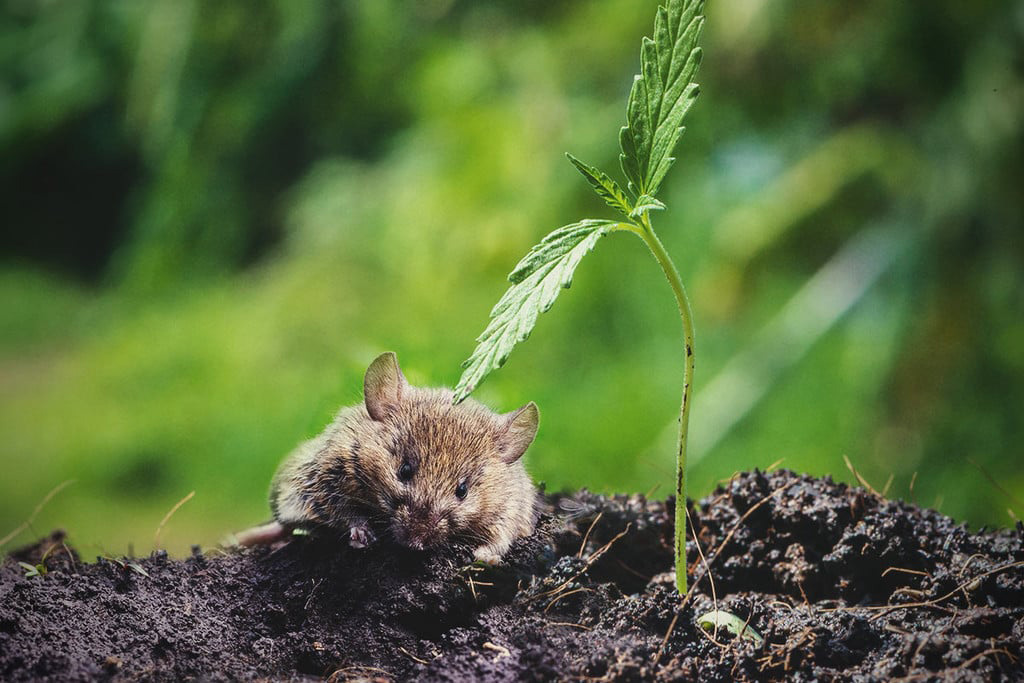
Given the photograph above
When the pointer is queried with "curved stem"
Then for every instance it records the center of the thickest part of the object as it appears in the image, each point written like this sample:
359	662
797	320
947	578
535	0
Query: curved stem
650	238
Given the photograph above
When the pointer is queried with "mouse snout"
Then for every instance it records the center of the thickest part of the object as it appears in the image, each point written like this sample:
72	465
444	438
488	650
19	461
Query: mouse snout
419	527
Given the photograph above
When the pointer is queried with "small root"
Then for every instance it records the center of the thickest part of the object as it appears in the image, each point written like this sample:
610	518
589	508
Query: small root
411	656
551	604
573	624
586	536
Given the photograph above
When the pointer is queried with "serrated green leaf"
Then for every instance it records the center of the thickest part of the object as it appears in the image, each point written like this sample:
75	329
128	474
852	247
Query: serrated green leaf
606	188
661	95
645	203
628	158
537	281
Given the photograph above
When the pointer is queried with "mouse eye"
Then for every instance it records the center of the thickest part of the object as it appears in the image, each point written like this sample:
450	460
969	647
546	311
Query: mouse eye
406	471
461	490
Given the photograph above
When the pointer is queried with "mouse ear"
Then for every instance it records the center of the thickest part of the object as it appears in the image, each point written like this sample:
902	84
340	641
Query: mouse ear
383	386
517	431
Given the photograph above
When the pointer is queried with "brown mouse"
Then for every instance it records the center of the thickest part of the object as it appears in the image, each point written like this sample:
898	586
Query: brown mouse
410	463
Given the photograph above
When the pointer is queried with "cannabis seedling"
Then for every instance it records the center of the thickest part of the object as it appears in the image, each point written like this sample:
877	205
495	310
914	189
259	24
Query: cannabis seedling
33	569
660	97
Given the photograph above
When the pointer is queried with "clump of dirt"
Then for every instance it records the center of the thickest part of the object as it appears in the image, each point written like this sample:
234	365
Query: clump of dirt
839	583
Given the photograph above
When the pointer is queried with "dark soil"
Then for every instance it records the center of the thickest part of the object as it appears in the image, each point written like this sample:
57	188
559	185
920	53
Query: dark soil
842	585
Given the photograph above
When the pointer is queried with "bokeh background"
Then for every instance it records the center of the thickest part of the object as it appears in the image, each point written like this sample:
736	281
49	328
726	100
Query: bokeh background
215	214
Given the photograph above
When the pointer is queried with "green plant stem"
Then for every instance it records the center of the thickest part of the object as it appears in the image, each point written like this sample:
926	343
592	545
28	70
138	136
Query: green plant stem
650	238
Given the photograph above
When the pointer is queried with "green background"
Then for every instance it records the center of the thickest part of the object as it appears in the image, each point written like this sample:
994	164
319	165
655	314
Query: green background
216	214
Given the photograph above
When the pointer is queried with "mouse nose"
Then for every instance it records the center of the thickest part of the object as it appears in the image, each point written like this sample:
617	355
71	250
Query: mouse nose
421	527
425	518
422	514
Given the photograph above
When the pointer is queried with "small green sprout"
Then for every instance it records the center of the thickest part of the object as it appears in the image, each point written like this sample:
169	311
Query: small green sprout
126	566
716	619
661	95
137	568
40	568
33	569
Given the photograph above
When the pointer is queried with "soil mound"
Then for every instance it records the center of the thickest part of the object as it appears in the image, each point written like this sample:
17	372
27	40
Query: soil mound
839	583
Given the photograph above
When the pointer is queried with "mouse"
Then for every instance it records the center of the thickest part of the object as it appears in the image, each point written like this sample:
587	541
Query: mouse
411	464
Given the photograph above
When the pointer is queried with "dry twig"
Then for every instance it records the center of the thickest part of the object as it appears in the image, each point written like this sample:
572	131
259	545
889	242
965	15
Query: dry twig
411	656
594	557
862	480
906	571
999	487
668	634
887	609
167	517
739	522
31	518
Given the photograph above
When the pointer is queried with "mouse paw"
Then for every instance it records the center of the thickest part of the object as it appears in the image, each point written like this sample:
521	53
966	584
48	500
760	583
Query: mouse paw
487	555
266	534
360	535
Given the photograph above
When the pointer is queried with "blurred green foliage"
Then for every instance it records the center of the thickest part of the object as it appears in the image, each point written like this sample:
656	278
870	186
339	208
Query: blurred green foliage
216	214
